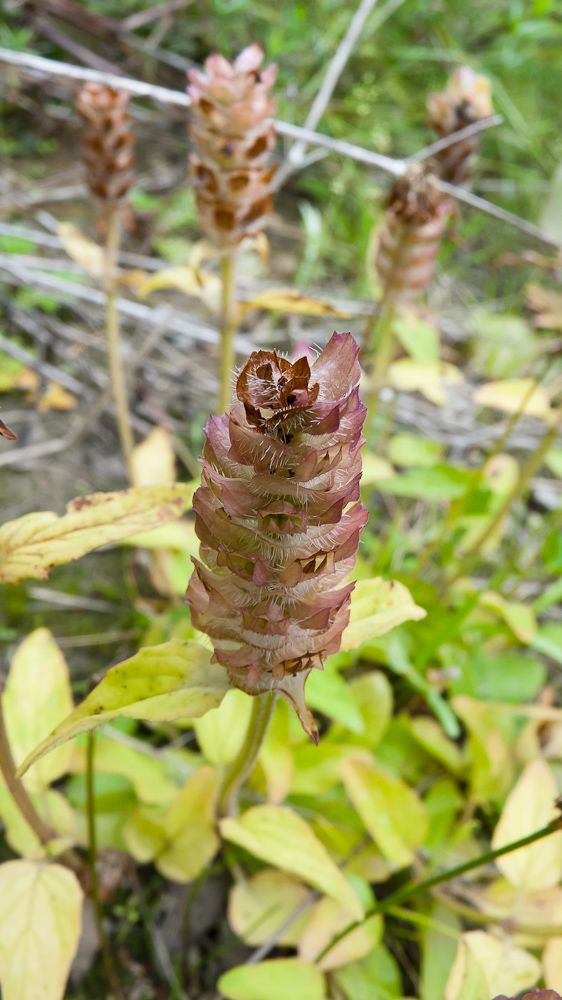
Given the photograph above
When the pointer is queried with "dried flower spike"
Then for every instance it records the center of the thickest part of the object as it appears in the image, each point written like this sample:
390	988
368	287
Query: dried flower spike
416	213
107	141
279	519
233	133
466	100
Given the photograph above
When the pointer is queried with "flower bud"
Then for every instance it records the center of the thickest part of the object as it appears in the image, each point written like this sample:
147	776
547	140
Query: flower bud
107	141
466	100
416	213
279	518
233	133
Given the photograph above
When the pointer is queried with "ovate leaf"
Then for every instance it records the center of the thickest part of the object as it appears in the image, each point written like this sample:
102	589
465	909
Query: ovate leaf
36	699
33	544
40	918
258	906
189	830
392	812
490	965
530	806
327	920
432	378
514	395
378	605
277	979
173	681
289	300
279	836
221	732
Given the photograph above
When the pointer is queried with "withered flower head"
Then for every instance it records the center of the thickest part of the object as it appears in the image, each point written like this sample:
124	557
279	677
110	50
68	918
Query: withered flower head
233	133
279	519
107	141
466	100
5	432
535	995
416	213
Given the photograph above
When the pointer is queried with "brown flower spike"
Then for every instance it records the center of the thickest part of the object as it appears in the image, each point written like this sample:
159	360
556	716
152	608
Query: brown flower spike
279	519
416	213
233	133
466	100
107	141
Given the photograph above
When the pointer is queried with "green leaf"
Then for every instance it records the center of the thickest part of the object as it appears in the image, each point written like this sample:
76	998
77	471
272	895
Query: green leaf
277	979
431	737
40	907
279	836
327	692
548	640
150	777
553	461
377	606
442	482
221	732
408	449
372	694
439	949
392	812
510	677
376	977
36	699
160	683
189	829
420	339
259	905
33	544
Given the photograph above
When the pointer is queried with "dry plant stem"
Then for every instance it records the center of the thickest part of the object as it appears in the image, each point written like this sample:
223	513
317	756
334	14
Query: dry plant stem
17	789
116	370
110	975
415	888
227	329
245	761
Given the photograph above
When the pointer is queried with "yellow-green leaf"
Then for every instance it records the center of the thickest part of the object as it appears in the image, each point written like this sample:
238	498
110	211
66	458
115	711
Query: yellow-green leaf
392	812
514	395
552	963
175	680
54	809
84	251
520	617
431	378
502	966
289	300
40	920
150	778
259	905
375	468
36	699
187	279
154	460
530	806
33	544
276	979
327	920
279	836
191	841
221	732
378	605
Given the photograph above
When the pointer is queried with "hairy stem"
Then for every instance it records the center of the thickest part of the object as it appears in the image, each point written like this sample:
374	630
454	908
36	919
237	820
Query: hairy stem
245	761
110	974
227	328
116	370
415	888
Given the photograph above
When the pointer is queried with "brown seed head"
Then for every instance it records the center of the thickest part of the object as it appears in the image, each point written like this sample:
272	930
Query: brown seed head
233	133
107	141
416	213
466	100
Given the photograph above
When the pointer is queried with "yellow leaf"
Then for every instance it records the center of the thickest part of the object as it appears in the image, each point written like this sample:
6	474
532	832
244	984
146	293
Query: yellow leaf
552	963
392	812
33	544
221	732
328	919
84	251
37	697
259	905
502	966
40	921
431	378
276	979
191	841
175	680
510	395
378	605
144	834
490	747
187	279
54	809
56	397
150	777
375	468
530	910
279	836
154	460
289	300
548	306
530	806
520	617
177	535
277	757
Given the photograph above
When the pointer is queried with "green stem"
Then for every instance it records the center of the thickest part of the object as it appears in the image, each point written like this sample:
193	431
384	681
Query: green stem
516	493
415	888
383	357
227	329
110	974
116	370
245	761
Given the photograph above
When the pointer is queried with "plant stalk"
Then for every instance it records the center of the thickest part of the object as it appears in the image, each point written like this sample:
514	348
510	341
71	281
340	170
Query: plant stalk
415	888
245	761
110	973
116	370
383	357
17	789
227	329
